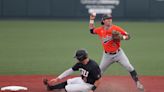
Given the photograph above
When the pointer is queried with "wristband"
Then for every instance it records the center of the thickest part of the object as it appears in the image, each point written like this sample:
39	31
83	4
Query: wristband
94	88
91	21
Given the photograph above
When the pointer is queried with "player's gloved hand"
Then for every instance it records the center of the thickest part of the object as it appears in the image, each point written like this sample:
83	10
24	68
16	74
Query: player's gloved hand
116	36
53	81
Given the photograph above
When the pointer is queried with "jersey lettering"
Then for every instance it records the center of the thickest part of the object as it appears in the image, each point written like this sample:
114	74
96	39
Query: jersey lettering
84	72
107	39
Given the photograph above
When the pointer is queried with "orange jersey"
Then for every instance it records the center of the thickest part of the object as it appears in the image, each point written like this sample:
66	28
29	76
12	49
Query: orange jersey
106	37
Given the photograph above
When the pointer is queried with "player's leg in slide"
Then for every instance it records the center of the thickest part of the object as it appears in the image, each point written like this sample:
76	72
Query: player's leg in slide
77	85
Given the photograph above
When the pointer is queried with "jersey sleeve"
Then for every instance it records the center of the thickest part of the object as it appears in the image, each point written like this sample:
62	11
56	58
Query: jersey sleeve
122	31
65	73
96	30
76	67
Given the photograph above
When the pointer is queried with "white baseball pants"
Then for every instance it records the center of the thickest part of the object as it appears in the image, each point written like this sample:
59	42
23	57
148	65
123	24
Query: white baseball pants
77	85
120	57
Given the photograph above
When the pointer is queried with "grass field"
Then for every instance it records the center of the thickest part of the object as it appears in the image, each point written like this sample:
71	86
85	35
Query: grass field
47	47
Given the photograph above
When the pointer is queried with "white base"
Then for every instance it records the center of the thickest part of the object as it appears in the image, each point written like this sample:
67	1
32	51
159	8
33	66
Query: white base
13	88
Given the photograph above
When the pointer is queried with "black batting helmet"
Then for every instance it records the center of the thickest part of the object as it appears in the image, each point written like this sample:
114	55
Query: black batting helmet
81	54
105	16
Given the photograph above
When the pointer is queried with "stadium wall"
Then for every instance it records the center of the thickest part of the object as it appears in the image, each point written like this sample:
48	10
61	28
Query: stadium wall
150	9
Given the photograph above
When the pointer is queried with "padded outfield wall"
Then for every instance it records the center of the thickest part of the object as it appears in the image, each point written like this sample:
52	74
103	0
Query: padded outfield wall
151	9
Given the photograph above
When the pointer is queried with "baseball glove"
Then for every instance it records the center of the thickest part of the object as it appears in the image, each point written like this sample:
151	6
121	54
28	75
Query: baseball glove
116	36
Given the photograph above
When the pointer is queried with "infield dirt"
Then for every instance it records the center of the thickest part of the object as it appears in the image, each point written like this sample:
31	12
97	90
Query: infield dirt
108	83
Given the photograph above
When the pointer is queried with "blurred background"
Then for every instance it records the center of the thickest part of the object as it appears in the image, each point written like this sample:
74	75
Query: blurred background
41	36
76	9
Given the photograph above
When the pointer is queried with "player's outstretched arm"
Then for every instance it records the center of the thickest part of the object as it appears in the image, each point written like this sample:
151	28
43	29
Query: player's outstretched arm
53	81
61	76
116	35
125	37
66	73
91	21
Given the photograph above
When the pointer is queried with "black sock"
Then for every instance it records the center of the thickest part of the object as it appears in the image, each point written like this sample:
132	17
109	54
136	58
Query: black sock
134	75
58	86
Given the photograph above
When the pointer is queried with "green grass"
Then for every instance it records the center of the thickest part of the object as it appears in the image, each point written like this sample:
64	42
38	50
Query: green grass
47	47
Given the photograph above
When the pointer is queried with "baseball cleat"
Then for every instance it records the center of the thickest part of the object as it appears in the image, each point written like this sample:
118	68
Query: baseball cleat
140	86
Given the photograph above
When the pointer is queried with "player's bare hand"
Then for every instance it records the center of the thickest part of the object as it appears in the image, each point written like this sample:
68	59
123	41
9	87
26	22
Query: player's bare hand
53	81
92	16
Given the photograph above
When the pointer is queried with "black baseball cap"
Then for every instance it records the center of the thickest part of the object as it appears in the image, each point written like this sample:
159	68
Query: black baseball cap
81	54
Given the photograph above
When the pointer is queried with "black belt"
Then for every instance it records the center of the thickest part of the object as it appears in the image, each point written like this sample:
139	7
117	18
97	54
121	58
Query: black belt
112	53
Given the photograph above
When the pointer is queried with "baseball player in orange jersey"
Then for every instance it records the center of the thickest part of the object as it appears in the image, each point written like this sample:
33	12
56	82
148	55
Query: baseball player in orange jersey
110	36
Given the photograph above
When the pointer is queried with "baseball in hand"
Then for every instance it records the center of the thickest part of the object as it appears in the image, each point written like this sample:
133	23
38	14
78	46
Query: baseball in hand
94	13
